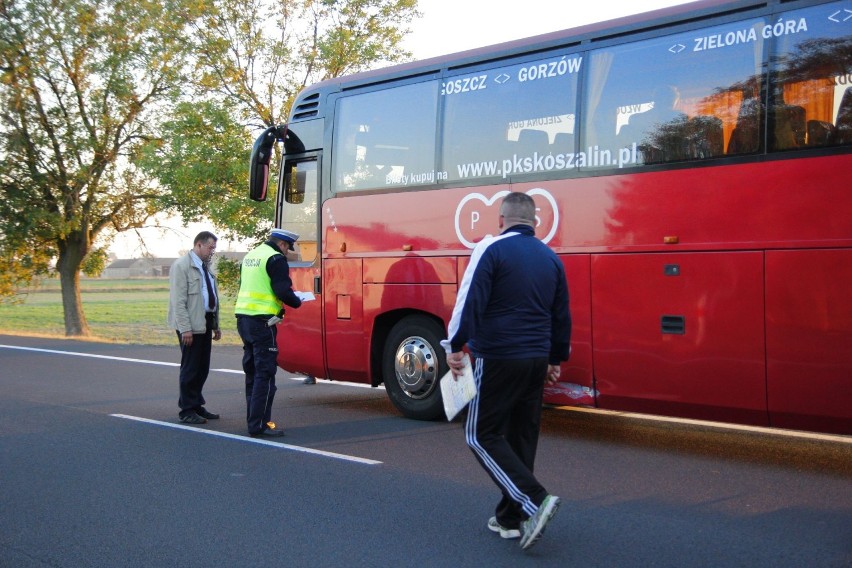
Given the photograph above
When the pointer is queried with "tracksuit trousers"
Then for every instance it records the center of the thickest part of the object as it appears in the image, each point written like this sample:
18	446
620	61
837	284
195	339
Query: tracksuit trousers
502	430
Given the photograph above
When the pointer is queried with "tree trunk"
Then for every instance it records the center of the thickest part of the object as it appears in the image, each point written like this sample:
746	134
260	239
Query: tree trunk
68	265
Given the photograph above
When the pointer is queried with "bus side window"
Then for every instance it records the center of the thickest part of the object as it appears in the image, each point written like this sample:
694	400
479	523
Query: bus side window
788	126
378	162
820	133
496	128
673	103
705	137
531	141
745	137
563	142
385	137
810	94
843	128
660	130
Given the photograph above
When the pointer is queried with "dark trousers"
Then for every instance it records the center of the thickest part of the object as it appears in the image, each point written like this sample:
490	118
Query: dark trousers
260	354
194	368
502	430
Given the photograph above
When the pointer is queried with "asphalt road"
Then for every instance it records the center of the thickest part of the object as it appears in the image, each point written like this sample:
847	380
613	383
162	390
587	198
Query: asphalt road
95	470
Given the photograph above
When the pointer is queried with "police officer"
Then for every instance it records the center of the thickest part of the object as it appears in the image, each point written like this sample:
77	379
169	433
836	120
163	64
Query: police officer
265	288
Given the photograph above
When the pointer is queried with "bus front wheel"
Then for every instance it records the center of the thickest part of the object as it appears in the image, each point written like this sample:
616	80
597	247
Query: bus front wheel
412	366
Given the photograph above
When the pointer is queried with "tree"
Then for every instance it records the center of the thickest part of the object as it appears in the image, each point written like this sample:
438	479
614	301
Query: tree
85	84
81	81
251	59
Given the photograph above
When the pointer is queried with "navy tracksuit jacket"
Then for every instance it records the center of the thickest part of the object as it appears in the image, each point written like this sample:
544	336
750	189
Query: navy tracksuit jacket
513	300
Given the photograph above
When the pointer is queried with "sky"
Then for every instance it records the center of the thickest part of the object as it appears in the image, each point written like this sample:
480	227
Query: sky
446	26
449	26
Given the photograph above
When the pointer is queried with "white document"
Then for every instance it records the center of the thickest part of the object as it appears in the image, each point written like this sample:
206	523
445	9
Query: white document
457	393
305	296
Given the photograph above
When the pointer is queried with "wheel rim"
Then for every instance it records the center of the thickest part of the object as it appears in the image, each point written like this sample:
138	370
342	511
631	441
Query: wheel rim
416	367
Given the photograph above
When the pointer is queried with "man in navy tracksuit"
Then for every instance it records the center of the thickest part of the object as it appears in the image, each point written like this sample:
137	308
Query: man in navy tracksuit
512	312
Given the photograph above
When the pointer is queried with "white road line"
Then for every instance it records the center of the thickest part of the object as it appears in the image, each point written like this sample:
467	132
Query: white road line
92	355
168	364
333	455
181	426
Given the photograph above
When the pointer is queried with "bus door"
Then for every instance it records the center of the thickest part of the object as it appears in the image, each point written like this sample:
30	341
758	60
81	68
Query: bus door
346	345
300	337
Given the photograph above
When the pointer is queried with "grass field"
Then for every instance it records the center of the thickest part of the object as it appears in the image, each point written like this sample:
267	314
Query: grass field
118	311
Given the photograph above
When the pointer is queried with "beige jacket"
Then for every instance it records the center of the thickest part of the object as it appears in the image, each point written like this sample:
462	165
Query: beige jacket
186	302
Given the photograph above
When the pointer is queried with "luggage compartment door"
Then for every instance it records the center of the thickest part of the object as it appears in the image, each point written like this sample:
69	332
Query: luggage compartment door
681	334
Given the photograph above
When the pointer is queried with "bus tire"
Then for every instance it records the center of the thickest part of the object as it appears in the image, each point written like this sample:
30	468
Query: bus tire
413	363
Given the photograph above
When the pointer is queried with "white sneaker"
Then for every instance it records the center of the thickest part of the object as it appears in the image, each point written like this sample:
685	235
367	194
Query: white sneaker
494	526
534	526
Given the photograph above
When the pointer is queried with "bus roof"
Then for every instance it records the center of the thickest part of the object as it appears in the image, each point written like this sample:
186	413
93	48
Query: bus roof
587	34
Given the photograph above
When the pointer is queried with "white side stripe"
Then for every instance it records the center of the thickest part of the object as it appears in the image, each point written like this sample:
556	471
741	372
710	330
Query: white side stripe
470	435
464	286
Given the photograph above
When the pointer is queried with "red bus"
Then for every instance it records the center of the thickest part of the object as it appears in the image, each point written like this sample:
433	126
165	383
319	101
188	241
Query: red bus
689	165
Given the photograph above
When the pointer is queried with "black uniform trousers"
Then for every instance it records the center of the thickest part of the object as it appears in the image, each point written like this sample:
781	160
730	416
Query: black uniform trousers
502	430
260	362
194	368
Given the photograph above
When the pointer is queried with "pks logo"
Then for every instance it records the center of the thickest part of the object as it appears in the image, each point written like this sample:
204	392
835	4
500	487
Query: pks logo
476	220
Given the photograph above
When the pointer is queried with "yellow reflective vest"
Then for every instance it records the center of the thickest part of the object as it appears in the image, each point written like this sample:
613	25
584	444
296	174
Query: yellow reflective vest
256	297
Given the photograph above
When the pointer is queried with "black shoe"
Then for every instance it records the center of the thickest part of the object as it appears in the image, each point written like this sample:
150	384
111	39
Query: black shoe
268	433
193	419
208	415
309	380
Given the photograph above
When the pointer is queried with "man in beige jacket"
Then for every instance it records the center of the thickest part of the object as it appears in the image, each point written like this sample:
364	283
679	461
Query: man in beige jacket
194	314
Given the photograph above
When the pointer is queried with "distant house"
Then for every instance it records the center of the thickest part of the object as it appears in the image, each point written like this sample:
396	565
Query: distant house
232	256
153	267
138	268
162	266
119	268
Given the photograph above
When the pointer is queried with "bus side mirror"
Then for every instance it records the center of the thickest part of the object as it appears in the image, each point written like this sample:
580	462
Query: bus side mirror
261	152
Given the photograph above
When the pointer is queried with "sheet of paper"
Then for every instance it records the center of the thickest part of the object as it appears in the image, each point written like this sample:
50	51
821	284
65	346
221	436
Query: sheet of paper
457	393
305	296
